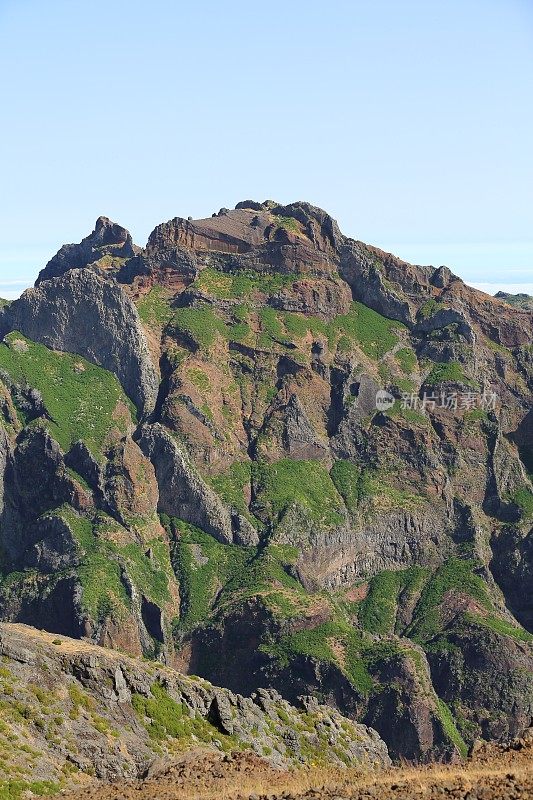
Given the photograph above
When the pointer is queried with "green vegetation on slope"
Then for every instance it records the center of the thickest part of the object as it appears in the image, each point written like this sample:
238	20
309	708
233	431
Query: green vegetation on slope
208	570
352	483
406	358
374	333
430	308
202	565
154	308
523	498
450	372
202	325
287	482
290	224
377	612
242	284
324	643
103	562
360	327
450	728
16	789
83	401
231	486
455	574
363	486
165	718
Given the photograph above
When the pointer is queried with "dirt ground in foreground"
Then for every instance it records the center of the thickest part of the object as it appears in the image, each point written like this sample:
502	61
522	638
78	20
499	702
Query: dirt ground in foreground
493	773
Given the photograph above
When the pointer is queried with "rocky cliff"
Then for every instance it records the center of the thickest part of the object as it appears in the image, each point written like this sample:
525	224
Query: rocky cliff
276	457
94	713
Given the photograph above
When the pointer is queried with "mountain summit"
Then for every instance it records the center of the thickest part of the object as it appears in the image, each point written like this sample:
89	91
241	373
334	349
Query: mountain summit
267	454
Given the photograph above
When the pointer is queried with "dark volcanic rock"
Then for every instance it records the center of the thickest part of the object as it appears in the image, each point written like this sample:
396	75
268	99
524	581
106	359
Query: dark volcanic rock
183	494
82	312
106	246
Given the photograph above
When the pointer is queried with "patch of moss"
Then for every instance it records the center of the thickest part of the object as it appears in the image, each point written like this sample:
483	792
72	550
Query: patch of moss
213	577
102	564
149	568
103	591
523	498
405	385
475	415
374	333
289	224
319	643
450	372
370	488
202	565
352	483
199	378
286	482
296	325
397	411
406	358
16	789
83	401
450	728
154	308
264	575
430	308
455	574
241	284
200	325
231	485
377	612
271	327
500	626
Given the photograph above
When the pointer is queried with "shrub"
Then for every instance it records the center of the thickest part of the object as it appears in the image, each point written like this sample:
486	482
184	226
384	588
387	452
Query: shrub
406	358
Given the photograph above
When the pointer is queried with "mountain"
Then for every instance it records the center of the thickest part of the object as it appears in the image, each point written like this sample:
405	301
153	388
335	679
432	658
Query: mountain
520	300
264	453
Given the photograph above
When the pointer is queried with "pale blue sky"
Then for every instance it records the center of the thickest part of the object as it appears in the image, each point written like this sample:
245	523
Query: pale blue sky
411	122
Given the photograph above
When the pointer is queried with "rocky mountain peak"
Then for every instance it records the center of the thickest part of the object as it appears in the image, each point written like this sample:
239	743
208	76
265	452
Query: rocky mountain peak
261	438
107	232
105	248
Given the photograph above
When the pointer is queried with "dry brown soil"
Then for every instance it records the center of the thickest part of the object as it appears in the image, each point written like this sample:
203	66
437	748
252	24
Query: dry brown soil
493	773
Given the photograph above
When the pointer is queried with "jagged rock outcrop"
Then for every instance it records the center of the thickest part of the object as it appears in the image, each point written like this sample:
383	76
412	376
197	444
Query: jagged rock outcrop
106	247
82	312
520	300
183	494
80	696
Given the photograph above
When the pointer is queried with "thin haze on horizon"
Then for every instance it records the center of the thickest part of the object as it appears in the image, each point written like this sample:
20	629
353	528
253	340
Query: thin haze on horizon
409	122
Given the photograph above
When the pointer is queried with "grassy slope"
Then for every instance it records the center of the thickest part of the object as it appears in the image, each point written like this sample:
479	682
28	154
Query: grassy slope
83	401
